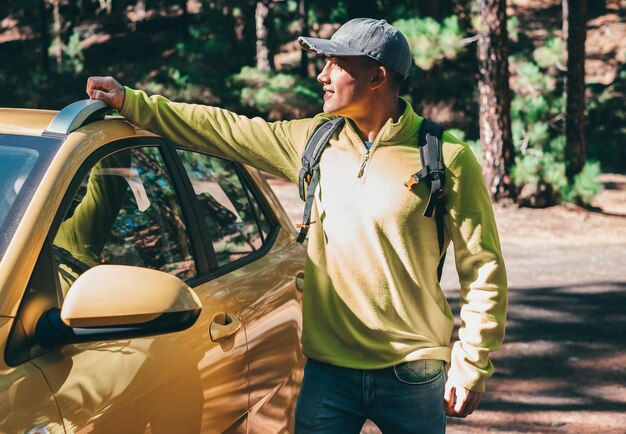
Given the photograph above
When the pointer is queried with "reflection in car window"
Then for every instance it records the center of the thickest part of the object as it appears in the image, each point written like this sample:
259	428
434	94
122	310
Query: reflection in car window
233	218
15	166
125	212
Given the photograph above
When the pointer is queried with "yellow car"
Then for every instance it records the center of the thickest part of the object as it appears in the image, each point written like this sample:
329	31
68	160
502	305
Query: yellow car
144	286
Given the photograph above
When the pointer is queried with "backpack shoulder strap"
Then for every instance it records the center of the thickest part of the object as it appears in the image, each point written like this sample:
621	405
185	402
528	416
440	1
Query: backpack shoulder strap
309	173
433	173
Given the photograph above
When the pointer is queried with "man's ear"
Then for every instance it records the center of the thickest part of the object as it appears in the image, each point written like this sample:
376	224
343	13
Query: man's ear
379	76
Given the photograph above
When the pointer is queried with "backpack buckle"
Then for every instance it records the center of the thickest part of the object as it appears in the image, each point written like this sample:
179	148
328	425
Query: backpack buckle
411	182
303	225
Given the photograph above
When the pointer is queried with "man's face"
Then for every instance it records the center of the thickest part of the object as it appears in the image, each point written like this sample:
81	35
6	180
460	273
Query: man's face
345	81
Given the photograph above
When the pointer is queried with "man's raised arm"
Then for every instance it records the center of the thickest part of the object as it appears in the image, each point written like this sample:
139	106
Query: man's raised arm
273	147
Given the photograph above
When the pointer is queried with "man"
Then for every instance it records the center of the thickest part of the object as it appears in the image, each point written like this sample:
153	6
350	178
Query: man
376	326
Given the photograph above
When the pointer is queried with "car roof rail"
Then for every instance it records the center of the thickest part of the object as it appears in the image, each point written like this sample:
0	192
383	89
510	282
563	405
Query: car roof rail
76	115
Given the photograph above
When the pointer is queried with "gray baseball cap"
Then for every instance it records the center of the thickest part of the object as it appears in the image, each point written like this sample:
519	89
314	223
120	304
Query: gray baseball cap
376	39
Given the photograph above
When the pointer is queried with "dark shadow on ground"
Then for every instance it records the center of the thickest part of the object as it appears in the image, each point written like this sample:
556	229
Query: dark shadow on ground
565	350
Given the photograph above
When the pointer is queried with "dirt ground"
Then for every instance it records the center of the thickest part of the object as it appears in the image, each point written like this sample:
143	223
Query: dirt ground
562	367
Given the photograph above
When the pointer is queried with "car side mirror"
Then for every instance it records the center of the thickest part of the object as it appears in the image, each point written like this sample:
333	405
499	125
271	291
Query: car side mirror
119	295
118	302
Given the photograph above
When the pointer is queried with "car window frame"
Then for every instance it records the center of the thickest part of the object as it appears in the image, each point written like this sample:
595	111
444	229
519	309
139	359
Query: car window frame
253	191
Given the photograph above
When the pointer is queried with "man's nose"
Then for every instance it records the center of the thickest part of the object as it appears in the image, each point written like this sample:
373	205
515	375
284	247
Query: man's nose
322	77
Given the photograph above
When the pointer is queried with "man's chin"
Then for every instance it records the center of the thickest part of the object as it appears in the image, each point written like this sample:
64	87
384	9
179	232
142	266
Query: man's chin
330	110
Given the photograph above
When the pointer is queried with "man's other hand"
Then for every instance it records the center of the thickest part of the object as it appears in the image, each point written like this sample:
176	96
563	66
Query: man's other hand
458	401
107	89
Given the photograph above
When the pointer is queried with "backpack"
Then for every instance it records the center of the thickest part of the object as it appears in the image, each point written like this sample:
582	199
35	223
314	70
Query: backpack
432	172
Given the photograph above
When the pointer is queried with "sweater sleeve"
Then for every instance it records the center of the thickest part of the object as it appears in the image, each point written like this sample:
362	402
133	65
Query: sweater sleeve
470	222
273	147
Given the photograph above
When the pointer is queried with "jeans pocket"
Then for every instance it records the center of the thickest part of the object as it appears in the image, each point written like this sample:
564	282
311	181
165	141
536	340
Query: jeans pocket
418	372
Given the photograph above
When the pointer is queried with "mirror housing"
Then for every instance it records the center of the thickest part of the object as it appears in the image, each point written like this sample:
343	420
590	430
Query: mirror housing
118	302
119	295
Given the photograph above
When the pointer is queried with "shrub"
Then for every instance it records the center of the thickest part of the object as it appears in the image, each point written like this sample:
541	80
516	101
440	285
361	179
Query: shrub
430	40
586	185
537	127
278	96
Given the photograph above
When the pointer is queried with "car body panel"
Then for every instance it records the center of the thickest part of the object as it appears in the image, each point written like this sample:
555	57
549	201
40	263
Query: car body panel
271	311
25	121
270	286
26	401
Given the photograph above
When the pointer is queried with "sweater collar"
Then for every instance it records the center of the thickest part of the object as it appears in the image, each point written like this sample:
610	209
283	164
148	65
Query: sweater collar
394	133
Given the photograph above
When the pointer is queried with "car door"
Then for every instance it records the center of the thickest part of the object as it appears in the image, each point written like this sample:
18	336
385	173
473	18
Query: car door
259	264
26	402
127	207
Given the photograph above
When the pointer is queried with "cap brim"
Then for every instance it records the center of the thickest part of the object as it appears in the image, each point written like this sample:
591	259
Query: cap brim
326	47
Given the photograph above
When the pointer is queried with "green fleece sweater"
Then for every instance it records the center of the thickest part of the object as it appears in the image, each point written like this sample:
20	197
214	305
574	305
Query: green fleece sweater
371	296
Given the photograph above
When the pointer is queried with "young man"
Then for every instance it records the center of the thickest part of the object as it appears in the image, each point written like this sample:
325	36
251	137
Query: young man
376	325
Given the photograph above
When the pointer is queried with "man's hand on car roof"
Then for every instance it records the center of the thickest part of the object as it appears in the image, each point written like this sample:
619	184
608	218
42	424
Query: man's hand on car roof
107	89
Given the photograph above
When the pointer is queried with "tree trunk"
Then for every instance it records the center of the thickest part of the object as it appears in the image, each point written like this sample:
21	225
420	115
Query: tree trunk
304	31
495	101
432	9
44	20
247	40
575	32
231	29
57	28
184	26
263	58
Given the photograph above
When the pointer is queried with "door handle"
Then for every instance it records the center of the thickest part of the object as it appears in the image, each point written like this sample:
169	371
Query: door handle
223	326
300	281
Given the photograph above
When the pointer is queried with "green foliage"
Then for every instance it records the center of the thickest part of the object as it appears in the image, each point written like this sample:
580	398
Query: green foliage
527	170
534	168
551	54
430	40
537	126
277	95
72	58
530	79
512	28
338	13
586	184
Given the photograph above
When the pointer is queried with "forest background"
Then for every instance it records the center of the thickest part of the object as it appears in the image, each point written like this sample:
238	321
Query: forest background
479	67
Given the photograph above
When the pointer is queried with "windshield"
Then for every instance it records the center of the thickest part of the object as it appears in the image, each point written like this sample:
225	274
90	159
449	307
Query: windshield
23	161
15	167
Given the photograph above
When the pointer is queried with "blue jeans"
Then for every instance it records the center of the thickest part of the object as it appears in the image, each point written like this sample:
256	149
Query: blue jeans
406	398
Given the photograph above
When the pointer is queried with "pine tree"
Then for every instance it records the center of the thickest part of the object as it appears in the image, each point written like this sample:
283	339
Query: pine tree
574	33
495	101
264	59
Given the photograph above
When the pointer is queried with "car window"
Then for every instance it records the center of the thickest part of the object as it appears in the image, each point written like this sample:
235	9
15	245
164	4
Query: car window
234	219
15	166
125	212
